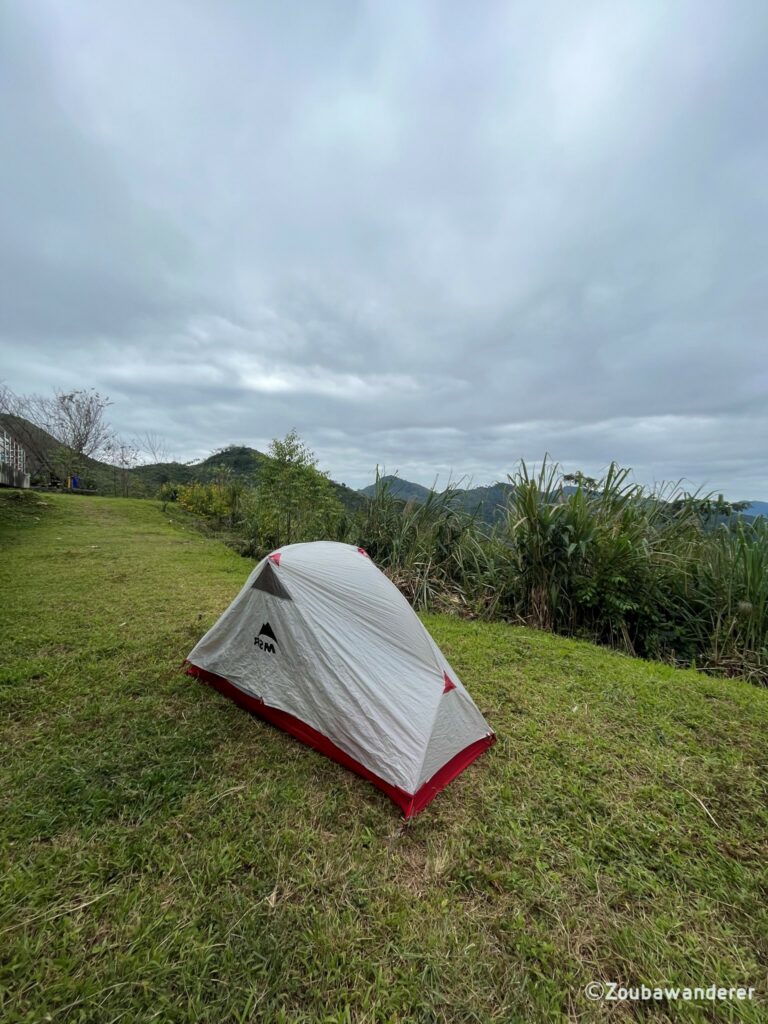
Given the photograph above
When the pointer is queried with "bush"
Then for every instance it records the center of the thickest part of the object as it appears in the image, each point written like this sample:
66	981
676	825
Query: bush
220	502
168	491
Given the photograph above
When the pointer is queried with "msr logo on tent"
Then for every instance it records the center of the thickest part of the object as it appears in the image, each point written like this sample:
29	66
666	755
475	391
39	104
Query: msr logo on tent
266	640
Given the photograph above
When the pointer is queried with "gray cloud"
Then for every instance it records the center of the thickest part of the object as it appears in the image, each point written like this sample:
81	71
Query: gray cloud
434	236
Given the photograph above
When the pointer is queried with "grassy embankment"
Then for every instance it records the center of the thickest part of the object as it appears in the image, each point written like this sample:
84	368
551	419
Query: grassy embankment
166	856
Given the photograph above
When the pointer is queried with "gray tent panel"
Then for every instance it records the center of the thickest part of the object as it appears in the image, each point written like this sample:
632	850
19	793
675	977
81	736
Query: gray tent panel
268	582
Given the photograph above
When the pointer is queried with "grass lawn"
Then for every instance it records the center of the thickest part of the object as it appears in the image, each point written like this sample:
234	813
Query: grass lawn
166	856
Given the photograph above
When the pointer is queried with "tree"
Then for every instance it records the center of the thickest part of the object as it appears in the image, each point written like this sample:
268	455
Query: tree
579	479
75	420
293	499
152	446
709	508
123	455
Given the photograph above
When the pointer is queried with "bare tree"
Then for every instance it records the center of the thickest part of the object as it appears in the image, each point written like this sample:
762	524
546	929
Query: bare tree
123	455
19	415
153	446
77	420
61	430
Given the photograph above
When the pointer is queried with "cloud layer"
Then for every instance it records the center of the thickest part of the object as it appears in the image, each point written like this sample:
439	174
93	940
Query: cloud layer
435	236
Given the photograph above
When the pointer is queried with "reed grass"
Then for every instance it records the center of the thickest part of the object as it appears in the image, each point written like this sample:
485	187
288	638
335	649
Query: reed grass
655	573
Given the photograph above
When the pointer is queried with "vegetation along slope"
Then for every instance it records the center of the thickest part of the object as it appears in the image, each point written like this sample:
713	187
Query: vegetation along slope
660	574
167	856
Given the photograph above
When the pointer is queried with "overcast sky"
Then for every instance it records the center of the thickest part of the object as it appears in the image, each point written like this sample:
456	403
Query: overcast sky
437	236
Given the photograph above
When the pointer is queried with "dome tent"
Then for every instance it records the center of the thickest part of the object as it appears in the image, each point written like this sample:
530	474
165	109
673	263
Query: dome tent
320	643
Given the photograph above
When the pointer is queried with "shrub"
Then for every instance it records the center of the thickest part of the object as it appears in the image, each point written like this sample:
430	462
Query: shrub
220	502
168	491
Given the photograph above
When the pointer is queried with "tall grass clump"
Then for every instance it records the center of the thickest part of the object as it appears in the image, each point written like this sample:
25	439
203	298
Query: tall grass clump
434	552
602	557
658	573
728	607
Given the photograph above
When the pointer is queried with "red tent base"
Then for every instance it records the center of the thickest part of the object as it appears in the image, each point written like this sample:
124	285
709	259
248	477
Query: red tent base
410	803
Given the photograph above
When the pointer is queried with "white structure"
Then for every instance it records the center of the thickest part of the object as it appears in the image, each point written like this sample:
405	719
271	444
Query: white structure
322	644
13	462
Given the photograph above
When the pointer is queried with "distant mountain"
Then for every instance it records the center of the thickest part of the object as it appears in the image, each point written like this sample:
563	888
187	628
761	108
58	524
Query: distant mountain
240	460
487	502
755	509
402	489
243	462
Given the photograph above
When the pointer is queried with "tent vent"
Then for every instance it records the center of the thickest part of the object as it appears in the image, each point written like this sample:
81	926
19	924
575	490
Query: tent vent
268	582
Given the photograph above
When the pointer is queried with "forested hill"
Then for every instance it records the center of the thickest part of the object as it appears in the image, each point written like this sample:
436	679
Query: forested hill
144	480
489	502
241	461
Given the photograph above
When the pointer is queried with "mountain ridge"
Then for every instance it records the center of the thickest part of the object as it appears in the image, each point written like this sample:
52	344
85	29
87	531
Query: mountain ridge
490	500
243	462
486	501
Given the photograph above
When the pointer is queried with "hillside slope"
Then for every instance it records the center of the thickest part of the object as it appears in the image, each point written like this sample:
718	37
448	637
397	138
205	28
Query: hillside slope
165	855
143	481
756	508
241	461
403	489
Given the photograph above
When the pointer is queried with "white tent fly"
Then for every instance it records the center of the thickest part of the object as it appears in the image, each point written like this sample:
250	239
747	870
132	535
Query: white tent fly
320	643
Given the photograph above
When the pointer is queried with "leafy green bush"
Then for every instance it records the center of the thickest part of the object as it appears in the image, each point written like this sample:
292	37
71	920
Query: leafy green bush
603	558
168	491
220	501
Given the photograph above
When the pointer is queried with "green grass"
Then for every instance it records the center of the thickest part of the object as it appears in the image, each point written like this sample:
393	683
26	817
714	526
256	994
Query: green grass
166	856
